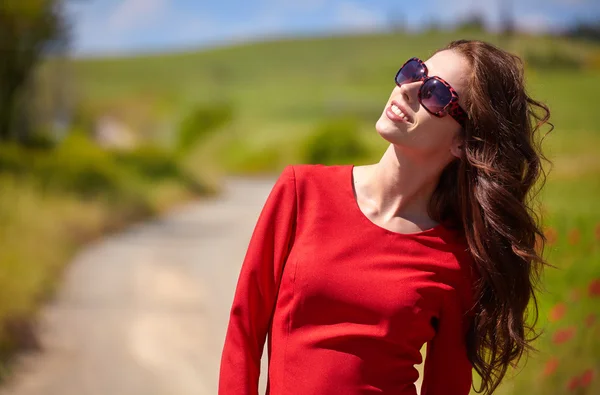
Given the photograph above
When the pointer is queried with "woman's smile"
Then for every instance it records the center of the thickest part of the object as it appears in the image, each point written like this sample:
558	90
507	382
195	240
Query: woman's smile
395	114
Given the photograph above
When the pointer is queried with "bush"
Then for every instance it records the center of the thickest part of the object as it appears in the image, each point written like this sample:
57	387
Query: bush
201	122
40	140
335	141
151	163
132	180
12	159
237	157
80	166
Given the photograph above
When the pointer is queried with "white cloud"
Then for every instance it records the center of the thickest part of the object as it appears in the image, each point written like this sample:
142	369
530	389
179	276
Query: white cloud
353	16
131	14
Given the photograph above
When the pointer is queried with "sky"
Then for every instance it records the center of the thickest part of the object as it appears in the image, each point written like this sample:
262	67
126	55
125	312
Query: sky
114	27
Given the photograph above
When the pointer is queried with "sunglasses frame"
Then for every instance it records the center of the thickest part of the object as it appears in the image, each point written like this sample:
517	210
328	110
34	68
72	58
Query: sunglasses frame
452	108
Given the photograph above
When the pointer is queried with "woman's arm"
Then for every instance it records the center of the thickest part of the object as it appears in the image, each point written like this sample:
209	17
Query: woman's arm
257	288
448	370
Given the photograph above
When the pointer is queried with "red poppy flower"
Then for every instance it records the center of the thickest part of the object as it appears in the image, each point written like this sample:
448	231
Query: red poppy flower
557	312
551	235
551	366
594	288
574	383
590	319
563	335
586	378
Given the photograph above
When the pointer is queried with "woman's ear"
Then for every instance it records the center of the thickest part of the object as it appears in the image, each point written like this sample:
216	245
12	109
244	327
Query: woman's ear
456	149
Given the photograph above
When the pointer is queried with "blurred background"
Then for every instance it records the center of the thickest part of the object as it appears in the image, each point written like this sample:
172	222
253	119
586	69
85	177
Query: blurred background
130	129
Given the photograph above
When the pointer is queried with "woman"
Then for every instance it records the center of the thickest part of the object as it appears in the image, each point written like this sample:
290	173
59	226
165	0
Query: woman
351	269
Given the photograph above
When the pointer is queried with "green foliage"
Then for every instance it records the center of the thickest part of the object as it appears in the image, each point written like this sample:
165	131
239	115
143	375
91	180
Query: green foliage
553	59
472	23
33	241
238	157
335	141
12	159
150	162
28	30
39	140
80	167
588	30
201	122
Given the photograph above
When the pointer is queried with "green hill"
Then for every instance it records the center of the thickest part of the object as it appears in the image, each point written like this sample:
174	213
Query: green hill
280	89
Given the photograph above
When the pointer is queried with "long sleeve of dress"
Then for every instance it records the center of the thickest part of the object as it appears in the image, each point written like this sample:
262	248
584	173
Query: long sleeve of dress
448	370
256	290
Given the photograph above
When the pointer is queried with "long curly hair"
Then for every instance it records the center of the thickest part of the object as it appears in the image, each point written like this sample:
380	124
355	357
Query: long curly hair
490	193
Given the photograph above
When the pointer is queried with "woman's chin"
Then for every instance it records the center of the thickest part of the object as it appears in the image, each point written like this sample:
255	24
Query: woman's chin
389	130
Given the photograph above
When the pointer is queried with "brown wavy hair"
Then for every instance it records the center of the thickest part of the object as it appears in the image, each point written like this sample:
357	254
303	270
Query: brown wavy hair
490	192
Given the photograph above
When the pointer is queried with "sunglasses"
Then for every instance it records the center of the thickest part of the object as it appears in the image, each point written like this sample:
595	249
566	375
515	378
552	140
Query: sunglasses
435	94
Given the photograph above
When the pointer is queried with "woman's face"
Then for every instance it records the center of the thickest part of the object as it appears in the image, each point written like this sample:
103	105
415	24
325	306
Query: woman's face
425	134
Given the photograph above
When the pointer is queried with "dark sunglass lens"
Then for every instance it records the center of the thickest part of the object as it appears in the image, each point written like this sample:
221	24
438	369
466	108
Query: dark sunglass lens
435	95
410	72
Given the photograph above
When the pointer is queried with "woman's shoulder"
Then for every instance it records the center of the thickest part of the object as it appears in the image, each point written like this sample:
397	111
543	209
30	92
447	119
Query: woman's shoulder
318	181
307	171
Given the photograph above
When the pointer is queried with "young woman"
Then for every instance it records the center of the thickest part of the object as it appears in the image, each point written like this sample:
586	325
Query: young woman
352	269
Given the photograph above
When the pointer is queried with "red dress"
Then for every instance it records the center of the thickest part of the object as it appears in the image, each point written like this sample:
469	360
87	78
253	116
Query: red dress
347	304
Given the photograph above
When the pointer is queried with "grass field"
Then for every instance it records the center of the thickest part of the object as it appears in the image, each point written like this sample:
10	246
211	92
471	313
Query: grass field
281	90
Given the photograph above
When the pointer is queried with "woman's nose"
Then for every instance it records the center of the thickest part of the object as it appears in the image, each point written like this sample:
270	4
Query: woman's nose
410	91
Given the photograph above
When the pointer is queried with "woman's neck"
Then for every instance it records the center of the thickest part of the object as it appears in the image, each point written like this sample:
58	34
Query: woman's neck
401	185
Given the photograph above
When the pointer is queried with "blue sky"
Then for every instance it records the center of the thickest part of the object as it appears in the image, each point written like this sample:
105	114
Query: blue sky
126	26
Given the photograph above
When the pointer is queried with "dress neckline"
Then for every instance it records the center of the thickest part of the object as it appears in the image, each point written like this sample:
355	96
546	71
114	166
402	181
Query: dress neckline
434	231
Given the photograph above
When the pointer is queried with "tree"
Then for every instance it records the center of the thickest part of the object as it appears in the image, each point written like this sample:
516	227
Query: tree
589	30
29	30
473	22
507	20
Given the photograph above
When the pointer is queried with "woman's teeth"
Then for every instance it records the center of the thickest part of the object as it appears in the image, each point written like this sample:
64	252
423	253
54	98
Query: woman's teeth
399	112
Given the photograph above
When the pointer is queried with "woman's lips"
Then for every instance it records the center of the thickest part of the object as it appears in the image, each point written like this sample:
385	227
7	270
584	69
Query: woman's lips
394	113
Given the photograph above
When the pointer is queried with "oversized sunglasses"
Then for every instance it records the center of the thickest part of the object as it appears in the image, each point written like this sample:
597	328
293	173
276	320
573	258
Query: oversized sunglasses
435	94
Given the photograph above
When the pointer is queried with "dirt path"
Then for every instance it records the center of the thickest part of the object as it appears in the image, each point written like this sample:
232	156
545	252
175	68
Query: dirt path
144	312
